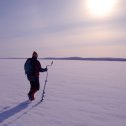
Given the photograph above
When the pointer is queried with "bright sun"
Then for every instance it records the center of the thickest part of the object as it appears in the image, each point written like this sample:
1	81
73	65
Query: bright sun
100	8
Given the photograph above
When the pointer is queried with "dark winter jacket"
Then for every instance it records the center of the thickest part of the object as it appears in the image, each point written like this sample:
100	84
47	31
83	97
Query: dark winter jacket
36	67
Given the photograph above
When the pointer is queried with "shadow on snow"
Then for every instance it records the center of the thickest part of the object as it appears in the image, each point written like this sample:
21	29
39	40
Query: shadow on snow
11	112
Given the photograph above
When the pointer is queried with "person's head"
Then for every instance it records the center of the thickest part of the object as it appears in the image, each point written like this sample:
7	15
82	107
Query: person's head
35	54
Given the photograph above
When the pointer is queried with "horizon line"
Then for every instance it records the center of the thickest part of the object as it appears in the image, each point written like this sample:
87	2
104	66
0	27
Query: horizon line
77	58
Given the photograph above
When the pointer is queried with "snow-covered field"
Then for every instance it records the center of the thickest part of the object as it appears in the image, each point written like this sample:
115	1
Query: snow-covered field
78	93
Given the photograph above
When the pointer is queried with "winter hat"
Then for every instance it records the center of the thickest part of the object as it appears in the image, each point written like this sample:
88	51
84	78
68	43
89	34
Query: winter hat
34	54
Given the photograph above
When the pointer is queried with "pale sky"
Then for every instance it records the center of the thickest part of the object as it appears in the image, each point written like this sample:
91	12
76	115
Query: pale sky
62	28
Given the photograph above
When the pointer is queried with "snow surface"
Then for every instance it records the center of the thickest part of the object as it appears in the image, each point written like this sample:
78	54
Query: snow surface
78	93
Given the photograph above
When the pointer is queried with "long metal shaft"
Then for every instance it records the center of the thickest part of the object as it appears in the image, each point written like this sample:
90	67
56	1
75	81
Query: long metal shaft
43	93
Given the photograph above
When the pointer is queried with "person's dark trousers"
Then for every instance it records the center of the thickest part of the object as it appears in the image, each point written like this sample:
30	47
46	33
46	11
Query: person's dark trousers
34	87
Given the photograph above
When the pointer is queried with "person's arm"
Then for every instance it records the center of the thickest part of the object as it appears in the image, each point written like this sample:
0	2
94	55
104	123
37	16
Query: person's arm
42	69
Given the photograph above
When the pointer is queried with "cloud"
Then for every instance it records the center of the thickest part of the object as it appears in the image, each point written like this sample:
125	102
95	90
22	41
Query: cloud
58	26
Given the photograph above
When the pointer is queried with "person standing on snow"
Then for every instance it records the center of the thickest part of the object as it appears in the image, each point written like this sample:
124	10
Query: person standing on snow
32	68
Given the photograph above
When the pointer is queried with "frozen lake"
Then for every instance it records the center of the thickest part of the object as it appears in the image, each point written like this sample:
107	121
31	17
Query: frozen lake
78	93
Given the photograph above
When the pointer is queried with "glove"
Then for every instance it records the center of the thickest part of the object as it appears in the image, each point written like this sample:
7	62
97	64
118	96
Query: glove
46	69
43	69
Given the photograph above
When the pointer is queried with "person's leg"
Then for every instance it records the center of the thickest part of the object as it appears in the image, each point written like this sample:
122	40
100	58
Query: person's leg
32	90
31	86
36	87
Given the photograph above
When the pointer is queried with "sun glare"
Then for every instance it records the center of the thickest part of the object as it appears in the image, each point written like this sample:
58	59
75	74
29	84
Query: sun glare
100	8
